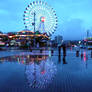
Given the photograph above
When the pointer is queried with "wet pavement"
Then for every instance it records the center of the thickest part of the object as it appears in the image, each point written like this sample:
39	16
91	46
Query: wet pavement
41	71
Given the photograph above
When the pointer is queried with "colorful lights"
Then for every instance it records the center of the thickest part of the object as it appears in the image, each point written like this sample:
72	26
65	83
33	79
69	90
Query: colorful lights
84	54
2	43
40	76
42	19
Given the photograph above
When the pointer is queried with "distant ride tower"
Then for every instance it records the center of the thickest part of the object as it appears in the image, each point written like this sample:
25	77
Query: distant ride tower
42	26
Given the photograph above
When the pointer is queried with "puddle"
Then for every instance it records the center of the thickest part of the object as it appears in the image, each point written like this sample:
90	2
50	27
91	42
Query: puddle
39	70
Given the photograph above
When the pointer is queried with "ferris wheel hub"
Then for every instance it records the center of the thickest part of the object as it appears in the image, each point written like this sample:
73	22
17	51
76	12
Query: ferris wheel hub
42	19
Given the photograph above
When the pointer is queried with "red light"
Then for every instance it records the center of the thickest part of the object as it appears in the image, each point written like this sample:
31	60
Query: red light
42	19
84	56
85	40
43	72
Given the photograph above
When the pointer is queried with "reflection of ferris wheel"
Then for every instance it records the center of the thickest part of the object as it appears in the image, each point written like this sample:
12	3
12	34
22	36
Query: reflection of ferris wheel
40	76
38	16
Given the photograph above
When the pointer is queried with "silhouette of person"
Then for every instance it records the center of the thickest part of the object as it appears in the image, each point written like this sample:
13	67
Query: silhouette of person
64	50
81	55
64	60
77	51
59	58
64	54
91	53
59	50
52	52
59	53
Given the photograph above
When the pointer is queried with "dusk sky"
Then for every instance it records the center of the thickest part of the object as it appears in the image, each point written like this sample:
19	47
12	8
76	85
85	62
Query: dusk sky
74	16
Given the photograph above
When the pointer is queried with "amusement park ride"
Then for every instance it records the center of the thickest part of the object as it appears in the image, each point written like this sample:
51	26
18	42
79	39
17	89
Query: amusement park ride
38	16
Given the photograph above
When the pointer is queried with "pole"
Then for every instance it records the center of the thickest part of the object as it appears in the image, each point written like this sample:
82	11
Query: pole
34	21
87	33
87	38
34	28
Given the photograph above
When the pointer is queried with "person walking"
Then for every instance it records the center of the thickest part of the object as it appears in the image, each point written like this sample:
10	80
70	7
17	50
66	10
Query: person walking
64	54
59	50
91	53
77	51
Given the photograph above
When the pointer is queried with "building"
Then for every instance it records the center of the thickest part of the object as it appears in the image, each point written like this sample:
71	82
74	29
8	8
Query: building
26	35
58	40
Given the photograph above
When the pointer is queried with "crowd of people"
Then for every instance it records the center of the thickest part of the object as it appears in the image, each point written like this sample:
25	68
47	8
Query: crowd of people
79	52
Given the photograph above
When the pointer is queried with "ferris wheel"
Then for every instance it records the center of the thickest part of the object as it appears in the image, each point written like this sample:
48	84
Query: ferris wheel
38	16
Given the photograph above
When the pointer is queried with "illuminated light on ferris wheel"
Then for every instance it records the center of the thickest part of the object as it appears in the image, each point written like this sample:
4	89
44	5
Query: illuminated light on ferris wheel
42	19
45	17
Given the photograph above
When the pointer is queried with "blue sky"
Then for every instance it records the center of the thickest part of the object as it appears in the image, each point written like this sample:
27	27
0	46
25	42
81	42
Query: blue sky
74	16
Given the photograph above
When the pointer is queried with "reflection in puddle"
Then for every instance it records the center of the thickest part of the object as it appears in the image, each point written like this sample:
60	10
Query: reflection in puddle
63	59
40	75
23	59
84	57
39	70
85	54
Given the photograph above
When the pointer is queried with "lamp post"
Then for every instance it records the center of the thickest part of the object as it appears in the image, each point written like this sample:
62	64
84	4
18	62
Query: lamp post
34	21
87	38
